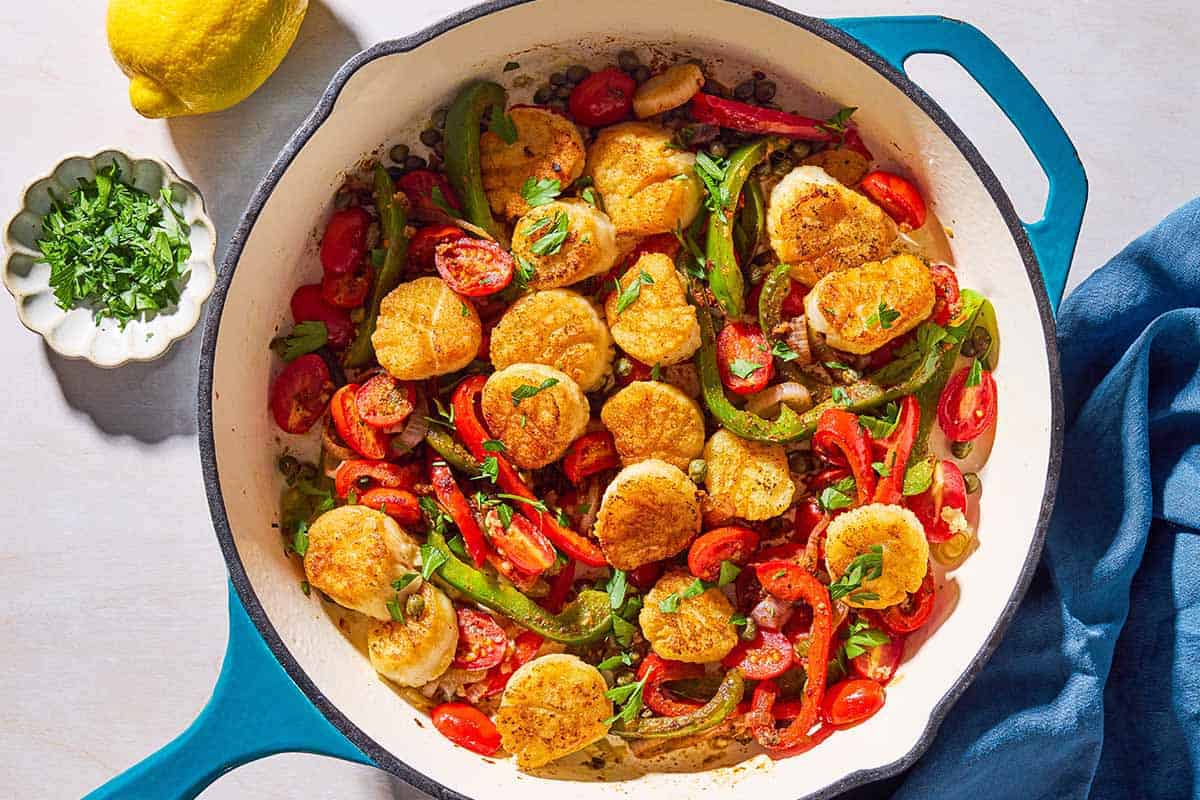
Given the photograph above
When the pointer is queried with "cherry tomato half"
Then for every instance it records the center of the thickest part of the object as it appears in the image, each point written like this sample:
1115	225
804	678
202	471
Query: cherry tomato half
744	358
946	490
851	701
347	289
399	504
733	543
880	662
467	726
344	244
308	305
422	246
645	576
948	301
418	187
852	140
474	267
482	643
589	454
768	655
355	432
638	371
964	412
384	402
809	514
524	648
602	98
300	394
521	543
361	474
895	195
914	612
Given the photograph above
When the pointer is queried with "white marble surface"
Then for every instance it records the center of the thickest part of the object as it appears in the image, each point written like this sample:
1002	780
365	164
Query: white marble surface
114	617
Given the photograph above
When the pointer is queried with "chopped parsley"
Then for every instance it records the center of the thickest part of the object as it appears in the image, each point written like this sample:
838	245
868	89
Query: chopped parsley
612	662
526	272
669	604
838	122
489	468
884	316
494	446
552	241
656	373
502	125
782	351
617	586
540	191
305	338
744	368
505	513
881	469
629	697
729	573
839	495
975	376
627	296
403	581
623	630
439	200
881	427
537	504
525	390
300	539
738	619
840	396
431	559
590	197
712	174
918	477
394	609
866	567
863	638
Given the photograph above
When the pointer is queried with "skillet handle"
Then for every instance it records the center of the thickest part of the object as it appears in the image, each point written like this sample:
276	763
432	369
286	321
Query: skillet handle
1053	236
255	711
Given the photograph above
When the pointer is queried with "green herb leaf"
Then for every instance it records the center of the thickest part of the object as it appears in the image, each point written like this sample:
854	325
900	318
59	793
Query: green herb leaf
300	539
881	469
538	504
431	559
738	619
918	477
403	581
711	172
525	391
502	125
552	242
589	196
837	123
617	586
525	272
489	468
865	567
305	338
439	199
837	365
629	697
623	630
744	368
494	446
627	296
782	351
656	373
395	610
304	587
694	589
881	427
612	662
975	376
669	604
840	397
540	191
839	495
505	513
884	316
561	518
729	573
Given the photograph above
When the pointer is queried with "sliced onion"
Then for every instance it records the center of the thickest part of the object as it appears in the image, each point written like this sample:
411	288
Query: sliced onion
414	432
797	339
766	403
591	498
771	613
333	452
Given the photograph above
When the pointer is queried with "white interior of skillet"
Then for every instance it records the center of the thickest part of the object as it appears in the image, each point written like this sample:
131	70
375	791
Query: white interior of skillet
389	100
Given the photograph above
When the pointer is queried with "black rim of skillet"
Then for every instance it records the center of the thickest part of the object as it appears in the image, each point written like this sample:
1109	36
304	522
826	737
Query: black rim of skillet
241	581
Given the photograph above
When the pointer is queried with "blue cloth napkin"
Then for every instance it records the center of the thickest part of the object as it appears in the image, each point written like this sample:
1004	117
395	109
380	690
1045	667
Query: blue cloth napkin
1095	691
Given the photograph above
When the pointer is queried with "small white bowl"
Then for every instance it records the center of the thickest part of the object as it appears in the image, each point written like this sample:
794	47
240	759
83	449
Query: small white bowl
75	333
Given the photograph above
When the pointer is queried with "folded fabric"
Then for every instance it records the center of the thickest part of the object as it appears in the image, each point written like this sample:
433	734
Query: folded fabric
1095	690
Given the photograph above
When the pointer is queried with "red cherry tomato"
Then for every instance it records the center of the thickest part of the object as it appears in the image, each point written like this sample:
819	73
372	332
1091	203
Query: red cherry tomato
308	305
602	98
467	726
423	245
793	301
733	543
809	514
590	454
482	643
348	289
344	244
964	412
355	432
399	504
946	490
851	701
914	612
895	195
637	372
361	474
645	576
474	267
418	187
948	301
300	394
880	662
744	358
521	543
525	647
768	655
851	140
384	402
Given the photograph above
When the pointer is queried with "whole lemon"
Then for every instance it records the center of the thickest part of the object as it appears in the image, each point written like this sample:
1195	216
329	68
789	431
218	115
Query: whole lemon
196	56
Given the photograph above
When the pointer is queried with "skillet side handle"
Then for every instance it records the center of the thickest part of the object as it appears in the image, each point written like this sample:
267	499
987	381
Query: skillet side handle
255	711
1053	236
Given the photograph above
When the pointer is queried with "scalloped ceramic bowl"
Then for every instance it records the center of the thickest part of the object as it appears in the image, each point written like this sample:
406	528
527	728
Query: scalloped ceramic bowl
75	333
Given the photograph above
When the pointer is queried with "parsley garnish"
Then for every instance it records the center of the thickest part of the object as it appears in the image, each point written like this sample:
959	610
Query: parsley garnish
623	630
505	513
404	580
866	567
729	573
589	196
881	427
525	391
837	123
612	662
305	338
782	351
540	191
300	540
629	697
656	373
551	242
439	200
712	174
627	296
526	272
489	468
975	376
494	446
110	247
431	559
918	477
616	588
884	316
537	504
863	638
394	609
669	604
502	125
744	368
882	469
840	397
839	495
738	619
561	518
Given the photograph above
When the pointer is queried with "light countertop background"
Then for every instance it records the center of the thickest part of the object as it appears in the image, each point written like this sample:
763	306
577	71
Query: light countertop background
113	622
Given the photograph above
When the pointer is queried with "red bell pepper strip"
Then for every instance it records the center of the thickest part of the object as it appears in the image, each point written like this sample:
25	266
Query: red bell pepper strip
656	671
471	430
840	438
560	587
789	581
890	488
713	110
591	453
455	502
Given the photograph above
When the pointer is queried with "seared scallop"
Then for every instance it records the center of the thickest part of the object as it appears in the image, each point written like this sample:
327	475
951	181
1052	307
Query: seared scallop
354	554
650	511
861	309
694	629
558	328
647	185
425	329
819	226
747	479
649	314
548	147
905	550
651	419
844	165
552	706
536	411
419	648
564	242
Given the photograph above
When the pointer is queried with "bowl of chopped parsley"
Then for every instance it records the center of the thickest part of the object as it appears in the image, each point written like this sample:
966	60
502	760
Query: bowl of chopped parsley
110	258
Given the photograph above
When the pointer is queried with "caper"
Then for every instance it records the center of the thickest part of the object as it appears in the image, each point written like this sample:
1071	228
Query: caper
543	95
697	469
562	92
800	461
744	90
430	137
718	150
623	367
558	78
759	75
800	149
624	678
439	118
628	60
577	72
972	482
290	467
961	449
749	630
764	91
398	153
641	74
414	162
783	166
414	606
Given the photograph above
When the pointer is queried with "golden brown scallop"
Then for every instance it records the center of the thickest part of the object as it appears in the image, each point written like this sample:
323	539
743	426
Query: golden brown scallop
588	245
425	329
559	328
536	411
905	552
658	326
652	419
548	147
697	631
419	648
650	511
747	479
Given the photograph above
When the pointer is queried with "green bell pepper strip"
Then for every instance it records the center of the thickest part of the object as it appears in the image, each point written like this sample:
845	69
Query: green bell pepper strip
724	274
393	217
584	621
457	456
708	716
750	222
462	151
775	290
